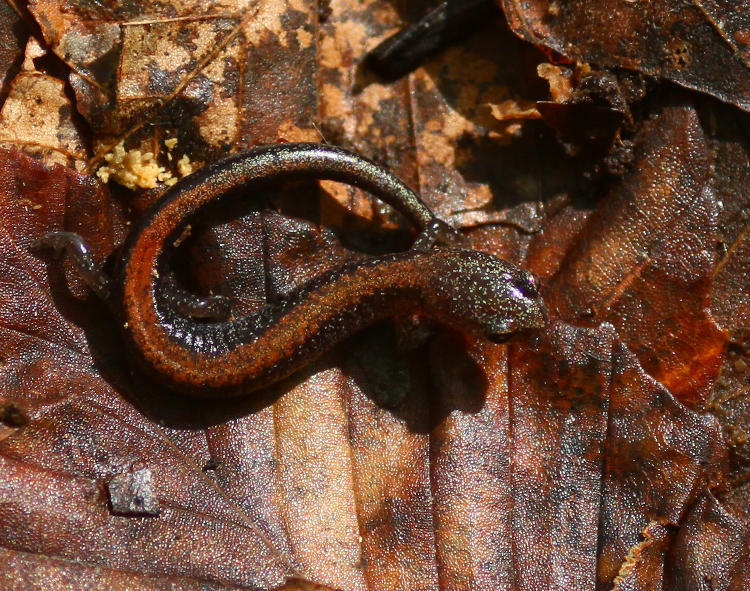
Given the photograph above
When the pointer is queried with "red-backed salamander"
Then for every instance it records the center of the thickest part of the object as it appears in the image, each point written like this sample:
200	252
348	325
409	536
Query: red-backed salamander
472	291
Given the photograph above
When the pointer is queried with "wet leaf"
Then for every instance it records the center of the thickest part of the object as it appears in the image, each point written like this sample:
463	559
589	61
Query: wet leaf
710	546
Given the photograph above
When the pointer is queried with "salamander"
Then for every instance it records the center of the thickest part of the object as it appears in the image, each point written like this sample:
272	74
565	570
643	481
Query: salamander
186	345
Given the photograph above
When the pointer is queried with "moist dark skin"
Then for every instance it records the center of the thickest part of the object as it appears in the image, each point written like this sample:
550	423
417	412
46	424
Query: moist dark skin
471	291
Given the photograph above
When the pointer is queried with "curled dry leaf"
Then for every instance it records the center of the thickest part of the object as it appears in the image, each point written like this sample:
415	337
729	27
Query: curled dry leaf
37	116
512	109
560	80
700	44
730	297
644	565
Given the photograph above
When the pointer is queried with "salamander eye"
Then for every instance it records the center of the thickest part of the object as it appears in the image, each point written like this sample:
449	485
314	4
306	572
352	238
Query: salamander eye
528	284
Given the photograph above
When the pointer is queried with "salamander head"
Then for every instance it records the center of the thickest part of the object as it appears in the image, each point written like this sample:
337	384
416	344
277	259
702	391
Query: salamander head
485	296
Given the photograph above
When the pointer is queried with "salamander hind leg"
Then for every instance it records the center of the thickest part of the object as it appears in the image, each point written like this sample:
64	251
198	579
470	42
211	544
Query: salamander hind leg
212	307
80	255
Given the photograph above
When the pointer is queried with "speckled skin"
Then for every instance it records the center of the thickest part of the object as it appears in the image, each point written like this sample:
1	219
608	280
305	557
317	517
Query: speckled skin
469	290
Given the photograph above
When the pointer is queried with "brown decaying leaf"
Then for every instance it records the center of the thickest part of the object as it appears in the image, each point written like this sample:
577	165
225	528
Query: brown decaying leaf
711	546
145	64
511	109
645	259
700	44
553	463
643	569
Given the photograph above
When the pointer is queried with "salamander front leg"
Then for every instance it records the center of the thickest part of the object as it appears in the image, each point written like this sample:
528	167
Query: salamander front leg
438	233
